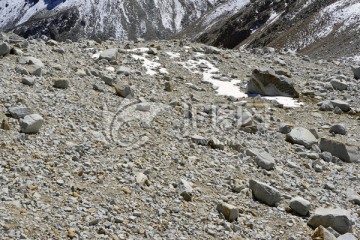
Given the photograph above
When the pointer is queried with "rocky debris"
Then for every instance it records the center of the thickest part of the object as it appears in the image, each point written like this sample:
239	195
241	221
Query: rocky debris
356	71
30	81
124	91
19	112
302	136
229	211
322	233
4	48
184	188
353	196
61	83
344	106
265	82
262	158
341	150
338	129
336	218
300	206
264	193
347	236
31	123
109	54
339	85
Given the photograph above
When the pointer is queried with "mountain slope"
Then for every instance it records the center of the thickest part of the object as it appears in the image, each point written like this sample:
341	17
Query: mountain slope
120	19
318	28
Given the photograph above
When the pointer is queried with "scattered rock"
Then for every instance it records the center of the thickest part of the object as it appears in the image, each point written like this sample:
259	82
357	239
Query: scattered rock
19	112
300	206
109	54
216	144
184	188
339	85
124	70
353	196
124	91
229	211
265	193
340	150
322	233
30	81
31	123
344	106
143	107
169	86
347	236
338	129
142	179
262	158
356	71
265	82
338	219
285	128
61	83
5	125
4	48
243	118
302	136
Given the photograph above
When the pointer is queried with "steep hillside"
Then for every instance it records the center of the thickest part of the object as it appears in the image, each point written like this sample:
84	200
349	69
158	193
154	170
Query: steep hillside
317	28
121	19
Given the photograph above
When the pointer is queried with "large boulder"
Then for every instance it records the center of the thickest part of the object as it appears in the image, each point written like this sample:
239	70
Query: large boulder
336	218
229	211
266	82
264	193
109	54
344	106
302	136
340	150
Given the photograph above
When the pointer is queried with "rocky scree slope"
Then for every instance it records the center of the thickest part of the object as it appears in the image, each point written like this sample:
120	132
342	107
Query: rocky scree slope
320	29
75	19
159	140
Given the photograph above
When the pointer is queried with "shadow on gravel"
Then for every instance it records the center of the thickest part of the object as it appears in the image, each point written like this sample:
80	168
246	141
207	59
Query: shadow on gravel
51	4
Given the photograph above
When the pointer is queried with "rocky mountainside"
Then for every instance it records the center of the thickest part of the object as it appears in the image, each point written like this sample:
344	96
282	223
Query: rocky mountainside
176	140
103	19
324	29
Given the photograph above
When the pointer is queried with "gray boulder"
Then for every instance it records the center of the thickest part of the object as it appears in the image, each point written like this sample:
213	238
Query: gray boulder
229	211
185	190
300	205
344	106
338	129
262	158
109	54
4	48
61	83
340	150
339	85
124	70
347	236
266	82
356	71
302	136
19	112
338	219
124	91
353	196
29	81
264	193
31	123
322	233
243	118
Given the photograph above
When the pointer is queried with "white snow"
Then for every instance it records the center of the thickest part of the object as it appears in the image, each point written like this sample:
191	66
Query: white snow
149	65
173	55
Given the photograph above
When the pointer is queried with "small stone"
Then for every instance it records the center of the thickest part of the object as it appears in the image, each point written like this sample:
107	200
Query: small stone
326	106
29	81
302	136
169	86
353	196
347	236
19	112
71	233
265	193
322	233
34	70
141	179
338	219
229	211
262	158
61	83
300	206
199	140
109	54
216	144
285	128
243	118
185	190
344	106
31	123
94	222
356	71
338	129
4	48
326	156
122	70
124	91
98	87
108	80
339	85
143	107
